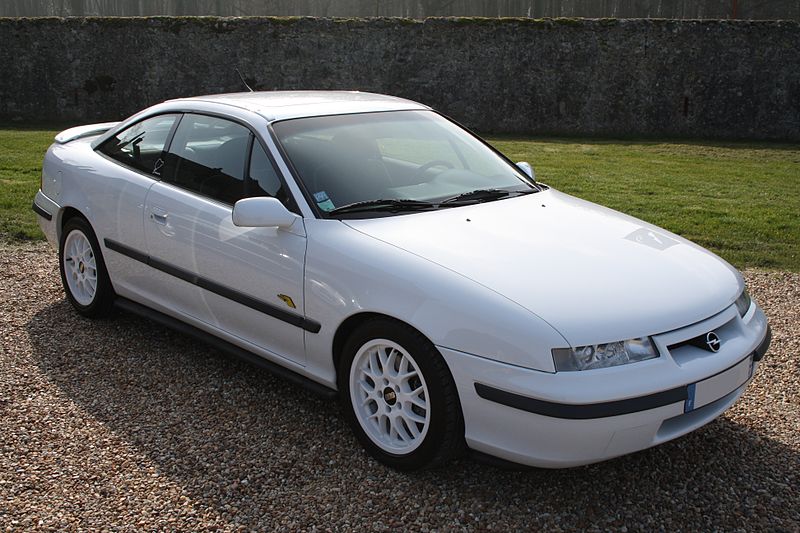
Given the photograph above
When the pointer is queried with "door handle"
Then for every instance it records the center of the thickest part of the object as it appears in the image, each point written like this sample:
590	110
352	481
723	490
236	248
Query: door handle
158	216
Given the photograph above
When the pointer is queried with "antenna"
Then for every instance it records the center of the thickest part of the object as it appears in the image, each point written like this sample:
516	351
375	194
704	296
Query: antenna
243	80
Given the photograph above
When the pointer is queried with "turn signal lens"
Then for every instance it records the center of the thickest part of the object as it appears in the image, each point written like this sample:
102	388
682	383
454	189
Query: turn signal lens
743	303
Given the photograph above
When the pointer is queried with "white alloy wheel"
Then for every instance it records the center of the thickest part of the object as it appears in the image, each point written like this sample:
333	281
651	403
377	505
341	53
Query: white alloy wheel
80	267
389	396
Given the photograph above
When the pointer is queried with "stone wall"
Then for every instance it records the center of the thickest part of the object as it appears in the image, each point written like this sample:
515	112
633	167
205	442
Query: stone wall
607	77
672	9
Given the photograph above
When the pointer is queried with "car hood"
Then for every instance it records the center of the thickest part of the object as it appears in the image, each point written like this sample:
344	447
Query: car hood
594	274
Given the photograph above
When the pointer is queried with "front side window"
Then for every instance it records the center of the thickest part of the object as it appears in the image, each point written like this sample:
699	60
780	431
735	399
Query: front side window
394	160
141	146
208	155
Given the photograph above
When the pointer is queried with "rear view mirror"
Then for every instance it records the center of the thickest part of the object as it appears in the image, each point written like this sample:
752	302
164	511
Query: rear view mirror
262	212
527	169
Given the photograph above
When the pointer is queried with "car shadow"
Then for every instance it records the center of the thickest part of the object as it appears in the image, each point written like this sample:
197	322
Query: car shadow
216	426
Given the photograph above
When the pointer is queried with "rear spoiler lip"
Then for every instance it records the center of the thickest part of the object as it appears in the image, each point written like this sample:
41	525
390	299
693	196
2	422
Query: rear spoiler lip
79	132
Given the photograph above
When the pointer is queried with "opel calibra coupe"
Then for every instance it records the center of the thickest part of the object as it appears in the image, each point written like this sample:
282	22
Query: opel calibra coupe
372	249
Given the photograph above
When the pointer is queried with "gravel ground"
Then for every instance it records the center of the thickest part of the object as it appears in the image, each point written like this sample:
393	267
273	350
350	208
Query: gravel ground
124	425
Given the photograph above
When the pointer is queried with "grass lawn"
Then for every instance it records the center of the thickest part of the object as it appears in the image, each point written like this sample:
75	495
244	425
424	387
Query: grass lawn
741	200
21	153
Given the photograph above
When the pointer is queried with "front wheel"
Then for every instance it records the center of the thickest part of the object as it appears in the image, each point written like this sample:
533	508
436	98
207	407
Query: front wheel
83	271
399	396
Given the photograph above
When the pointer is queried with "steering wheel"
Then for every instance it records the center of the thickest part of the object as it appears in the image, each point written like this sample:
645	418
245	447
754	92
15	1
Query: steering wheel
432	164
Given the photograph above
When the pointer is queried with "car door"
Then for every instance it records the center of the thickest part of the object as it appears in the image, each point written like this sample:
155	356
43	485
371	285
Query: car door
128	164
246	283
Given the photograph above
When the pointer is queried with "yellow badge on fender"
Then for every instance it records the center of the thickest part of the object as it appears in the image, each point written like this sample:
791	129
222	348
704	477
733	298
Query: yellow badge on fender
287	300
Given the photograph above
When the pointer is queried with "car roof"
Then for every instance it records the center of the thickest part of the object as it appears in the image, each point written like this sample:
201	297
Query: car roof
280	105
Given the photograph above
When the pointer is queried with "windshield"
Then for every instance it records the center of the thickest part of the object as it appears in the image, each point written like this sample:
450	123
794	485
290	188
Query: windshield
400	155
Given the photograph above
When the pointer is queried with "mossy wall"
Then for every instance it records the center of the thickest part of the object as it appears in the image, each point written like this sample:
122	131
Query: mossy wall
606	77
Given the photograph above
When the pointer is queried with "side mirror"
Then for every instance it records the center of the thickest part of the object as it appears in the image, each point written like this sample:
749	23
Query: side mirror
527	169
262	212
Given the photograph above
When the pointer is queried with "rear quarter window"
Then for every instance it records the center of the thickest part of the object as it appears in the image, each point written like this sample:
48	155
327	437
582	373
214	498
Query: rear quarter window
141	146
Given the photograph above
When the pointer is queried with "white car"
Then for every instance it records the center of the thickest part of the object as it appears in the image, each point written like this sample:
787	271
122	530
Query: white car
369	248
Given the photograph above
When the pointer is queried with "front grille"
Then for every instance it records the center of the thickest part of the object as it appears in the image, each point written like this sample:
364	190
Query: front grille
696	347
701	341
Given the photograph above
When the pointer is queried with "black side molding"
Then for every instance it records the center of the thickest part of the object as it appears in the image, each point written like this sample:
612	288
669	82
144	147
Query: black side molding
581	411
761	351
41	212
294	319
226	347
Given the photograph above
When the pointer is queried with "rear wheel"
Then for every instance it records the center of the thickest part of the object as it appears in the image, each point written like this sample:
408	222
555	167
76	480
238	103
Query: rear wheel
399	396
83	271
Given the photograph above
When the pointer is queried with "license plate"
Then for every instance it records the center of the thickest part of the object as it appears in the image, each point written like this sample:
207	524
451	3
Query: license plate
712	389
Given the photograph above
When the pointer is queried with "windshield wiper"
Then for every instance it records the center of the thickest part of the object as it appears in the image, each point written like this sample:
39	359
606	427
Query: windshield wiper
482	195
407	204
383	204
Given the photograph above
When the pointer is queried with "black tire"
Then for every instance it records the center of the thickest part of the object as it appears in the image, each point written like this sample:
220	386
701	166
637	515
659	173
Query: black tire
441	436
99	303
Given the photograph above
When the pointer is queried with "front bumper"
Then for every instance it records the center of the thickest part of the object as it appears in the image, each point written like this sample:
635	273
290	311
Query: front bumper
574	418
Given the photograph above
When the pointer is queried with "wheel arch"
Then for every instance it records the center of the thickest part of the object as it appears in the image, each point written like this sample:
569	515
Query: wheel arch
352	323
64	216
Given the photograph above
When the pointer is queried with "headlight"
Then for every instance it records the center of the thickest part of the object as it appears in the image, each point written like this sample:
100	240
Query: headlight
743	303
604	355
